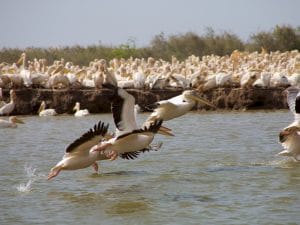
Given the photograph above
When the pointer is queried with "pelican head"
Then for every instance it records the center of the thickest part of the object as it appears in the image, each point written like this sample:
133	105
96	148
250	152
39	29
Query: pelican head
193	96
15	119
283	135
77	106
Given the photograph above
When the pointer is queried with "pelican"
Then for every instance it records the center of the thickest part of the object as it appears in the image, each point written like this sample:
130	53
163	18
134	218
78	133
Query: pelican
80	112
78	154
2	103
174	107
289	137
8	107
46	112
81	153
129	140
12	122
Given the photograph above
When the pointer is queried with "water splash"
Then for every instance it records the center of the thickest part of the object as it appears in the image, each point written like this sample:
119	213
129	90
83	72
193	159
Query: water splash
30	173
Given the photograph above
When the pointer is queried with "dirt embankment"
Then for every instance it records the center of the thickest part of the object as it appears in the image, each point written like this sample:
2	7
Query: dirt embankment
98	101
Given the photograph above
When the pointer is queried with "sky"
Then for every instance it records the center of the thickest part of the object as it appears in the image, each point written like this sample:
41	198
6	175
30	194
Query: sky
60	23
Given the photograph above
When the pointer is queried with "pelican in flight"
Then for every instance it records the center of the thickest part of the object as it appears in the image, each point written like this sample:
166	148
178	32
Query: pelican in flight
46	112
289	137
129	139
78	154
175	107
80	112
7	108
11	123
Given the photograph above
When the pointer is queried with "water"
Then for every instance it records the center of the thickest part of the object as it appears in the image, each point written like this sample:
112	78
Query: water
221	168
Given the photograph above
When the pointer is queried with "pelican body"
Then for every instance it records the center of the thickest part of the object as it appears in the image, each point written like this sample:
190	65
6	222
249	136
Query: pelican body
176	106
130	140
7	108
78	154
289	137
11	123
46	112
80	112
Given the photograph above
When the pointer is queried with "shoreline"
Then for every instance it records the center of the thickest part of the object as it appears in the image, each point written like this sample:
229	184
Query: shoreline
97	100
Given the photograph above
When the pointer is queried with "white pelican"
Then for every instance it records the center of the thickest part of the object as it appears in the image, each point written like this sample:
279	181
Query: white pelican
290	136
46	112
2	103
12	122
8	107
80	112
78	154
175	107
130	140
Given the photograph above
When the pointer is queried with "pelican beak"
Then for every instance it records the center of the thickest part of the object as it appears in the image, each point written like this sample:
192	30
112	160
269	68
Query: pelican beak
17	120
197	98
165	131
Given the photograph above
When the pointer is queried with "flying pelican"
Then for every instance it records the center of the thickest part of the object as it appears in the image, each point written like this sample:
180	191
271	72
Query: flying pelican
46	112
12	122
78	154
8	107
129	140
80	112
289	137
174	107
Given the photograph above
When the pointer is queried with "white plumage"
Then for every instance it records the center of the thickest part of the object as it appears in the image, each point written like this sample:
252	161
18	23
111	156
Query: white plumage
8	107
46	112
10	123
80	112
290	136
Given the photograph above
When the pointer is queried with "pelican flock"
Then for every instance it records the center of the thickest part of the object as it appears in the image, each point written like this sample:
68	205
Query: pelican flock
193	76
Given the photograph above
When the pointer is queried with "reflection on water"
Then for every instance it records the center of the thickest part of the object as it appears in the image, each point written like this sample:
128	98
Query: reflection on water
220	168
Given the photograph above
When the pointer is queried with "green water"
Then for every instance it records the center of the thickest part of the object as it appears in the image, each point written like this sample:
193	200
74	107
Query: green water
220	168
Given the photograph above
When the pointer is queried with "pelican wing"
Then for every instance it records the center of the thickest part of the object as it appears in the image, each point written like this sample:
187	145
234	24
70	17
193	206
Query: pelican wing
154	127
89	139
293	100
123	112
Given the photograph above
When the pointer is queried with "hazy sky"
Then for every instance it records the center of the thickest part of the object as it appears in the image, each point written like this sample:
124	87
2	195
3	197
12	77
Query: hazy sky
44	23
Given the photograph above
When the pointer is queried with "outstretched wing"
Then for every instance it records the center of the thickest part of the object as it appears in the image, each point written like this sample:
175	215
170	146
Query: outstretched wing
293	100
88	139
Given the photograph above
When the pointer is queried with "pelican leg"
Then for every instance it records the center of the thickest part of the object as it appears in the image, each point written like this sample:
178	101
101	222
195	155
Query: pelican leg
112	155
95	167
53	173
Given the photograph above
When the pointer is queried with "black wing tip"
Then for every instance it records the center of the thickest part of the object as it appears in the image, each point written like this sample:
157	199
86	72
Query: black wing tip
98	129
152	107
154	126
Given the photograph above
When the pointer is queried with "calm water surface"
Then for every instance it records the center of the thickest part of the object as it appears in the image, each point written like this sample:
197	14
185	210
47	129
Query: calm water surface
220	168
